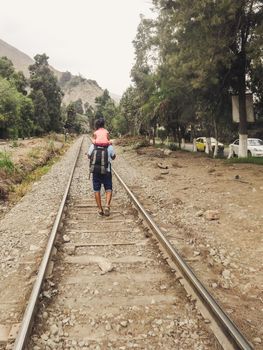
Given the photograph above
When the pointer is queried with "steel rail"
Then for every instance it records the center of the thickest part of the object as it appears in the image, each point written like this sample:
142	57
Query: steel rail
27	320
227	326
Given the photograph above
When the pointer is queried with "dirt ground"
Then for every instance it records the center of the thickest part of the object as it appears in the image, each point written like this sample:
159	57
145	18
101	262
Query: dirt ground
212	211
20	150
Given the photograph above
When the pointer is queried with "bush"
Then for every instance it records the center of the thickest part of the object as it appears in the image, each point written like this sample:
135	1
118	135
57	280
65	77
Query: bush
162	133
143	143
172	147
6	163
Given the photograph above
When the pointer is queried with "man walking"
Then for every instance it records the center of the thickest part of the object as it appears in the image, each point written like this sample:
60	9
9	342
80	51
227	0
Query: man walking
100	165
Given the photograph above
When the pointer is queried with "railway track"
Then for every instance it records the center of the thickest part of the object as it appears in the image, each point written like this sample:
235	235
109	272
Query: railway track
116	283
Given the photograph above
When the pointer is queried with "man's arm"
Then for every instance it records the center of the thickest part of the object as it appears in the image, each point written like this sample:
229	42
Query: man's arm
91	148
112	152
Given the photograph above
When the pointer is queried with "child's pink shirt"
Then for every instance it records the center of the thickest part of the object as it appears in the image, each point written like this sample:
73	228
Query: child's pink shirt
101	137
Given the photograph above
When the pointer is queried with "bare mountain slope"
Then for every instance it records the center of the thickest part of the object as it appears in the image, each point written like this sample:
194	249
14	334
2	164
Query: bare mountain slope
20	60
74	87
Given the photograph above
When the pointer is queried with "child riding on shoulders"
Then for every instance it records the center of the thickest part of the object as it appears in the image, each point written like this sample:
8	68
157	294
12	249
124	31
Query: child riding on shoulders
101	136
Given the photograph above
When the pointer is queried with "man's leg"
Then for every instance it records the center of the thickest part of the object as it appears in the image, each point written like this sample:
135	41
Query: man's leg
108	198
96	188
98	201
108	189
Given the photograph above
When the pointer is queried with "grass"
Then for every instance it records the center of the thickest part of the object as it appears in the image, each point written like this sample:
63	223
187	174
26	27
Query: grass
18	180
35	153
6	163
248	160
21	189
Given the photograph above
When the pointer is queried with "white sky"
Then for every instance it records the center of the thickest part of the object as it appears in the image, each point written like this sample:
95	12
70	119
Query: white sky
90	37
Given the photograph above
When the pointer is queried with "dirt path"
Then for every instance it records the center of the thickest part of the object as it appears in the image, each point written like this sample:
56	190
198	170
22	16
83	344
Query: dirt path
213	213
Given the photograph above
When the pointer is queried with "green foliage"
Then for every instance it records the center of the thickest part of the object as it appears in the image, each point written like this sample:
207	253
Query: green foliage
6	163
172	147
38	113
188	58
162	133
15	112
46	95
106	108
6	67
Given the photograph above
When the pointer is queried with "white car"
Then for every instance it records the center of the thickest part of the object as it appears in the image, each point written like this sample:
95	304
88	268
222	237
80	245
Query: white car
254	147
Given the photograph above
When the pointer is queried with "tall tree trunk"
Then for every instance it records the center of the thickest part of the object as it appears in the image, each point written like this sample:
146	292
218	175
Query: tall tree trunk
216	137
154	134
242	151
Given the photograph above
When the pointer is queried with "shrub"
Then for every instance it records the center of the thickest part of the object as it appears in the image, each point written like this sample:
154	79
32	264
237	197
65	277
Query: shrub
162	133
143	143
172	147
6	163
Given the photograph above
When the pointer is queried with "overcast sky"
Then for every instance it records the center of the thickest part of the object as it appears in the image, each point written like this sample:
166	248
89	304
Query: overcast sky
90	37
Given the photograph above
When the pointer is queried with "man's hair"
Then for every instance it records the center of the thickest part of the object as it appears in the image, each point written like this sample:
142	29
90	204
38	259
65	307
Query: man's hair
99	123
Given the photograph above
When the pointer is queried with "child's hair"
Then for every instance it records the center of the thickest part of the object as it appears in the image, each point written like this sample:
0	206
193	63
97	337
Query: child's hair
99	123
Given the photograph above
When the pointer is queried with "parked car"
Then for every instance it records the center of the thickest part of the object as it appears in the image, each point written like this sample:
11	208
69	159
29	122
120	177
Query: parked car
201	144
254	147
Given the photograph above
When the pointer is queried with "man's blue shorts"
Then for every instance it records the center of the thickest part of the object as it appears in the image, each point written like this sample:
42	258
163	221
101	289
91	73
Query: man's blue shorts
102	179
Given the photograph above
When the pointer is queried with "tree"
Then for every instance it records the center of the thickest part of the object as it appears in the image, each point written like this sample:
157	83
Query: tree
79	106
101	102
215	44
71	116
105	107
41	117
44	84
15	112
6	67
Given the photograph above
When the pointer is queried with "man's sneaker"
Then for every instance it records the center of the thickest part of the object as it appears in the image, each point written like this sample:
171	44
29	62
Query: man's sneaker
107	211
100	213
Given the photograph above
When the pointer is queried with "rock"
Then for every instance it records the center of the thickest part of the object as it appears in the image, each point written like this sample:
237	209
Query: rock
257	340
124	323
66	238
167	152
33	247
199	213
51	344
44	337
47	294
162	166
211	215
214	285
226	274
69	249
108	327
246	288
212	252
54	329
45	315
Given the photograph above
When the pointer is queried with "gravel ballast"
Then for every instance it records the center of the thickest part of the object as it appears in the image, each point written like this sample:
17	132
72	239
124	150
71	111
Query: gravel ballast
24	232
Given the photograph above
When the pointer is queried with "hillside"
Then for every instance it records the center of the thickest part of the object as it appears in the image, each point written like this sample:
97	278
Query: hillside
74	87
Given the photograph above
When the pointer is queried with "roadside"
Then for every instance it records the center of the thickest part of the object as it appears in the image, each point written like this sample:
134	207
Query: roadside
23	162
212	211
